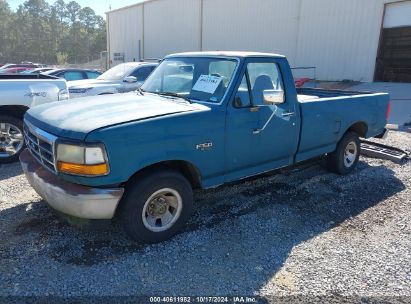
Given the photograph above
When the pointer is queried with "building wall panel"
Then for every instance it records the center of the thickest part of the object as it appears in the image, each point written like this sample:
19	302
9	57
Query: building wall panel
398	14
171	26
339	37
261	25
125	32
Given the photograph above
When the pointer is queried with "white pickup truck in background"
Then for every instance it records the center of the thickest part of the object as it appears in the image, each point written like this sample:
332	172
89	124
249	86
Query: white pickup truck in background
18	93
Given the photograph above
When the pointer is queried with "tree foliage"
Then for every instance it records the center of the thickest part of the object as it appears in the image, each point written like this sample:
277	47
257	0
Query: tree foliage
45	33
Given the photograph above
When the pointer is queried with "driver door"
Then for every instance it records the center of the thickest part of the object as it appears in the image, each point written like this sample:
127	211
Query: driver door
259	137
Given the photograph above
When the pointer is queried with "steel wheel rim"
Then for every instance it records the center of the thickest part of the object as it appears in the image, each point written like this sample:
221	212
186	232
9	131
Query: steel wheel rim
162	209
11	140
350	154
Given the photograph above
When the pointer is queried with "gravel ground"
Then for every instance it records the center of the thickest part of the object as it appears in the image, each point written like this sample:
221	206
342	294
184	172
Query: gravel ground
300	231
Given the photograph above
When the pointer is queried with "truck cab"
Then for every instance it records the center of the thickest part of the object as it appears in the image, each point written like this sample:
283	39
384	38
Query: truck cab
200	120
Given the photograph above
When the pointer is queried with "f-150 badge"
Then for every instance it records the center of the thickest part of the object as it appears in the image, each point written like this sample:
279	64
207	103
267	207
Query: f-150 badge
204	146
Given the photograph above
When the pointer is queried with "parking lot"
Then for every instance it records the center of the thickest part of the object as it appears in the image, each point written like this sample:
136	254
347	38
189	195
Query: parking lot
299	231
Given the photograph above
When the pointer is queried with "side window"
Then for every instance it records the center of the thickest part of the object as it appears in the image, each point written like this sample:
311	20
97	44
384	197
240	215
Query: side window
242	98
142	73
92	75
73	75
263	76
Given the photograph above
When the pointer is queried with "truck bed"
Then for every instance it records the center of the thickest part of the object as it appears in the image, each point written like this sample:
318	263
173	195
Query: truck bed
327	114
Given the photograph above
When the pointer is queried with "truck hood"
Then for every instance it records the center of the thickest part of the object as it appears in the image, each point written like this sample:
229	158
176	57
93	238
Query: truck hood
90	83
76	118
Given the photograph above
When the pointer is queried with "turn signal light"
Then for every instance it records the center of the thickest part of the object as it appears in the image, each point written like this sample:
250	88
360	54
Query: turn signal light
78	169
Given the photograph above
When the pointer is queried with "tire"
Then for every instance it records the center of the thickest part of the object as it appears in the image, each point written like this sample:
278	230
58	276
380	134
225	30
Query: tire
163	194
345	158
11	129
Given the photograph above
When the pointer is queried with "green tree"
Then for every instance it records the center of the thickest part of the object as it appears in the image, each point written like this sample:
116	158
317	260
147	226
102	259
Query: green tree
73	9
6	37
46	33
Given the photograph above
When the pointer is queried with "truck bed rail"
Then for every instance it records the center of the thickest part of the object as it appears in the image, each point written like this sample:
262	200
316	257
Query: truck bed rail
324	93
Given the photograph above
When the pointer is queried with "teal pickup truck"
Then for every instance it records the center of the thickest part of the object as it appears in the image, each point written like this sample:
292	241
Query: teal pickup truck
200	120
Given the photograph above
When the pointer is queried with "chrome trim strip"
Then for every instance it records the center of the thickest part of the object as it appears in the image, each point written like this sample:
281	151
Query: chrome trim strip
45	137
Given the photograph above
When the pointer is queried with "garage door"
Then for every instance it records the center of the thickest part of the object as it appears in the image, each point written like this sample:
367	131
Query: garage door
394	55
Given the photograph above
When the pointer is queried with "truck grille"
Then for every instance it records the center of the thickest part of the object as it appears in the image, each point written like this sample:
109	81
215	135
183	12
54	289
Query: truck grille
41	145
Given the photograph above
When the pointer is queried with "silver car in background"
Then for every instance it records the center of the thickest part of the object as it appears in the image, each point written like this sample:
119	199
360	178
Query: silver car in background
122	78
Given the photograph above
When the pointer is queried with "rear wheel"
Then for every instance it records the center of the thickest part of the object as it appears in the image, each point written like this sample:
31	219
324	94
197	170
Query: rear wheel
345	158
156	206
11	138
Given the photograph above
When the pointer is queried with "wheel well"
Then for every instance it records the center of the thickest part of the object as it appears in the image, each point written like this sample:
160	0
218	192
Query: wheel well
16	111
184	167
360	128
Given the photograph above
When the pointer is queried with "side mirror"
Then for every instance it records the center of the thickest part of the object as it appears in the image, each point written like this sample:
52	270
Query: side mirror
273	97
130	79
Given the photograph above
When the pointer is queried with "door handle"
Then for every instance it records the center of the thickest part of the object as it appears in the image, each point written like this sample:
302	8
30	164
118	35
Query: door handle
287	114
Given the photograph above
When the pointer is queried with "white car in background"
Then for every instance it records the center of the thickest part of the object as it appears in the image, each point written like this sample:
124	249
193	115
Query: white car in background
122	78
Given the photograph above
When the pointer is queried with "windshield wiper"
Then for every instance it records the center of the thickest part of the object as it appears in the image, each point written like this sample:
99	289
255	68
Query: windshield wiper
171	94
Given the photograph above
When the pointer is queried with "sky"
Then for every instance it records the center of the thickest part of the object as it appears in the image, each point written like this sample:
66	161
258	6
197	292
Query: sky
99	6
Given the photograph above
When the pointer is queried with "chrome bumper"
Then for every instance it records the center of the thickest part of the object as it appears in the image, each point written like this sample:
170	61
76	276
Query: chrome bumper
72	199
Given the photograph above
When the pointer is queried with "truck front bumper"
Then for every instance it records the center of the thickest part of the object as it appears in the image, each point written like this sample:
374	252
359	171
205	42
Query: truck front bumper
68	198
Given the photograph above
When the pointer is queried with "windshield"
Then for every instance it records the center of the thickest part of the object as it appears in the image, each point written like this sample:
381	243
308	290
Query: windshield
117	73
196	78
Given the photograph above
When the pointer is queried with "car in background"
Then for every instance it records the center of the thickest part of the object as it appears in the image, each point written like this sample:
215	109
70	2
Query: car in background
36	71
122	78
15	70
39	65
74	74
19	65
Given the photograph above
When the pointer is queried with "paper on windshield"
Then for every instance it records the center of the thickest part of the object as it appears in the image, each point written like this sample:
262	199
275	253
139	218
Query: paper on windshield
207	83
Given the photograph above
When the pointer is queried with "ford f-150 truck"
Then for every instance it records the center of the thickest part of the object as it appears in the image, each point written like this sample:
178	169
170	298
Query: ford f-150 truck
200	120
17	94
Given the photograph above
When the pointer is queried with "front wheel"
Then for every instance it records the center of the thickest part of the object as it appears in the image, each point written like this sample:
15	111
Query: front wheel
11	138
345	158
155	207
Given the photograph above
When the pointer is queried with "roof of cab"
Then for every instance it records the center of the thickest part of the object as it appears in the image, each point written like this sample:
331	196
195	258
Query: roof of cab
226	54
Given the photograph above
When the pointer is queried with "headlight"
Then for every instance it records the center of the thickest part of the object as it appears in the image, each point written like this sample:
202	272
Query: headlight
63	94
82	160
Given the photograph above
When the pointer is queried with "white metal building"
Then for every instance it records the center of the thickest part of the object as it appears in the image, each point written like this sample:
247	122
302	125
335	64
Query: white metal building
341	38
